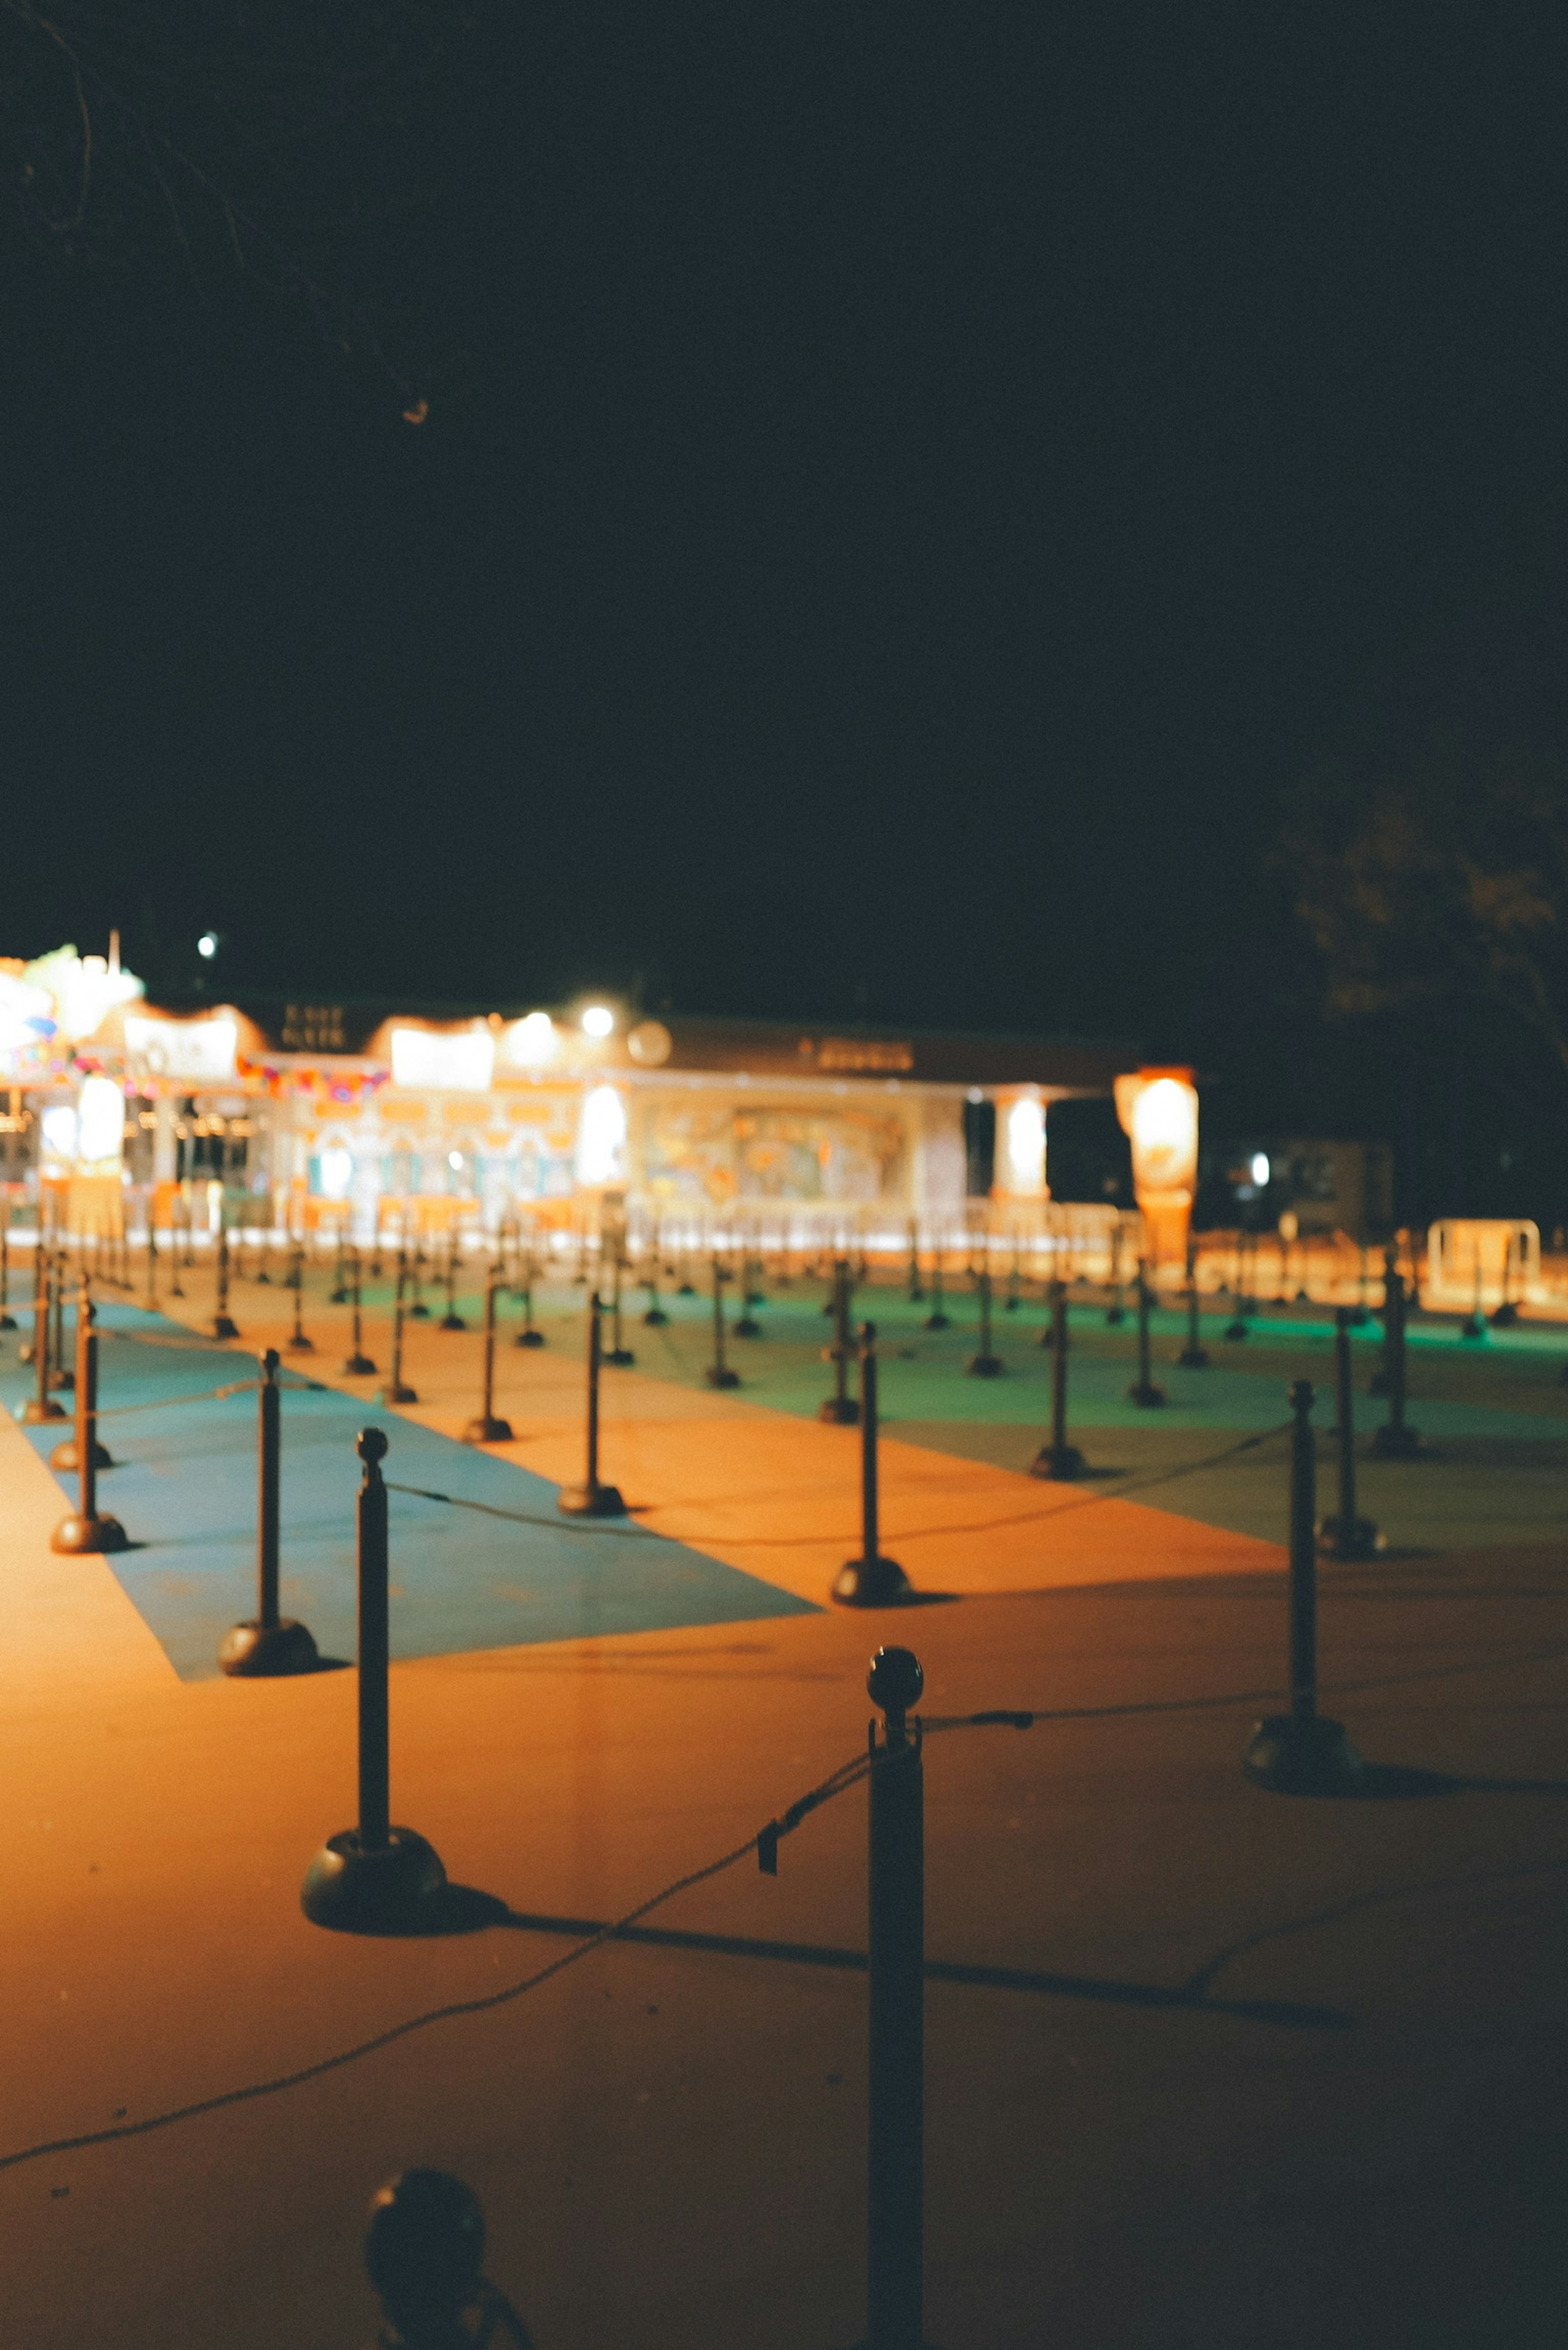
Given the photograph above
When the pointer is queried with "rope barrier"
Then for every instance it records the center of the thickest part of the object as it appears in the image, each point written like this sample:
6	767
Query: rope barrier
764	1844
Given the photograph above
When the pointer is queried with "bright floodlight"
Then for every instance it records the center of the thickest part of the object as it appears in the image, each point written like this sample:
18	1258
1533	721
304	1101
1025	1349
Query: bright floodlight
207	944
598	1020
454	1160
1259	1170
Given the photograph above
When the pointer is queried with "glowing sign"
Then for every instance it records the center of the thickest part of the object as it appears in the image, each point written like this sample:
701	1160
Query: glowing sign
85	989
529	1043
100	1126
1026	1146
464	1064
203	1050
601	1137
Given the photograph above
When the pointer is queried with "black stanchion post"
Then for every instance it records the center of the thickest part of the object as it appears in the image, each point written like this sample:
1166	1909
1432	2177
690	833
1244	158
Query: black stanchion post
87	1528
1143	1389
424	2253
1507	1313
298	1343
419	1311
223	1325
840	1410
61	1374
528	1336
269	1645
1194	1355
985	1364
339	1295
916	1292
488	1429
452	1319
937	1319
719	1374
1236	1329
1395	1441
374	1878
1346	1534
590	1499
1115	1312
870	1580
8	1320
1058	1458
151	1291
1302	1753
396	1390
619	1354
746	1323
41	1407
895	2169
66	1454
358	1365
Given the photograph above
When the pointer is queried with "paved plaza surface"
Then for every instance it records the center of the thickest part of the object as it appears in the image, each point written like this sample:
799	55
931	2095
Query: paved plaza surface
1204	2065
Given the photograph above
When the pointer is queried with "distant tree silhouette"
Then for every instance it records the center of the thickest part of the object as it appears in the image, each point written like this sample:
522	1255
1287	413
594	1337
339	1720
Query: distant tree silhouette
1442	881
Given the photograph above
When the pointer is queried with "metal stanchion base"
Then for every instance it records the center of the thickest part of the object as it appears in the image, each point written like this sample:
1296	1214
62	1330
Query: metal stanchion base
419	1314
337	1297
1235	1331
7	1322
1472	1330
1192	1358
401	1393
1395	1443
529	1338
224	1327
746	1328
590	1501
985	1366
1362	1539
718	1378
840	1414
451	1322
870	1583
621	1357
257	1652
654	1319
1379	1384
64	1456
34	1414
356	1888
936	1322
299	1347
686	1290
1302	1755
1115	1316
1144	1392
1505	1317
359	1366
63	1381
488	1431
1062	1461
75	1535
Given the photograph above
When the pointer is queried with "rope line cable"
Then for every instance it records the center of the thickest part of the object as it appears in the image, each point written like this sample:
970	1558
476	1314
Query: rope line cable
763	1843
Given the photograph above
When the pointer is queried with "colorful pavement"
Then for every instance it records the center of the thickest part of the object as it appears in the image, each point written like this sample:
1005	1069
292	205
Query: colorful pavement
1203	2065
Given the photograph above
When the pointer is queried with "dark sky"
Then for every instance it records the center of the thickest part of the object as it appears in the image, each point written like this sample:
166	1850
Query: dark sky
904	490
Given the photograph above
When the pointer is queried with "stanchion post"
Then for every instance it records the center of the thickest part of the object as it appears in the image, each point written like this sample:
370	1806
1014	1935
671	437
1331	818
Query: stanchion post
985	1364
590	1499
41	1405
916	1292
374	1878
298	1343
452	1319
1115	1312
1058	1460
1194	1355
1302	1753
840	1410
268	1646
619	1354
396	1390
223	1325
359	1366
87	1528
488	1429
719	1374
8	1320
895	2137
1395	1441
424	2251
61	1374
1143	1391
528	1336
1346	1534
870	1580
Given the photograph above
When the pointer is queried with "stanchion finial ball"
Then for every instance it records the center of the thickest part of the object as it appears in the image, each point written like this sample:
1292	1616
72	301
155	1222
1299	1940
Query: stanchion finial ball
895	1680
270	1359
868	1333
425	2244
372	1444
1301	1395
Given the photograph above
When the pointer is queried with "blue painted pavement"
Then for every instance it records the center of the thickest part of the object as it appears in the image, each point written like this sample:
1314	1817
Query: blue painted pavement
184	1489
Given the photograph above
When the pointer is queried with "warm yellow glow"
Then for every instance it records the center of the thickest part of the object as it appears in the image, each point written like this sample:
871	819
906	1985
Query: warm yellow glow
1159	1116
200	1049
1026	1146
100	1126
83	988
599	1020
337	1171
464	1064
601	1137
530	1044
58	1140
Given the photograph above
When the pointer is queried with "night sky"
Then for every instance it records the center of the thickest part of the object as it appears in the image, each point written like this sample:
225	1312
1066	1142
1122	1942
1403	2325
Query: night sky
903	493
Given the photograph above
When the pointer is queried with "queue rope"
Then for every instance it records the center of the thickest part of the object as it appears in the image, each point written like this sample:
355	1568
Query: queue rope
764	1844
